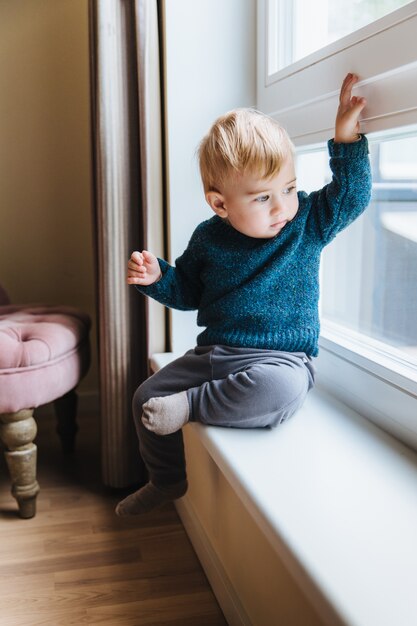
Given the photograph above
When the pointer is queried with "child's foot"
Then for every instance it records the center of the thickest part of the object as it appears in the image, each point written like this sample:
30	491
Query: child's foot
166	415
149	497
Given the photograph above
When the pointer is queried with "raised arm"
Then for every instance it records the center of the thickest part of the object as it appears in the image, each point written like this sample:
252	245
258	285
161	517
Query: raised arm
348	194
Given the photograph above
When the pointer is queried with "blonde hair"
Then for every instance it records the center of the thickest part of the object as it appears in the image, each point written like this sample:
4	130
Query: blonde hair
242	141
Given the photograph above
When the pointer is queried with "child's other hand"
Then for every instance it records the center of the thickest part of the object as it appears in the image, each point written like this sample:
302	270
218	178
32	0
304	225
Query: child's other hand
350	108
143	268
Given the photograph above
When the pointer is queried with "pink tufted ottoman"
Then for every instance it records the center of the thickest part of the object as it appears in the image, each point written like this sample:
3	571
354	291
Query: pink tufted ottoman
44	352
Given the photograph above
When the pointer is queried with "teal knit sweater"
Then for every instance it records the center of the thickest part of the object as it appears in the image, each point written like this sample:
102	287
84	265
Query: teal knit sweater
263	293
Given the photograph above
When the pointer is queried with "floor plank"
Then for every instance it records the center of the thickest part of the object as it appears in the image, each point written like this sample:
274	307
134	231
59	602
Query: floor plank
77	563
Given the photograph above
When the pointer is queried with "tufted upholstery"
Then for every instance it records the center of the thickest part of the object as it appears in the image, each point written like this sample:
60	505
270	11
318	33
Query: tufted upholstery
44	352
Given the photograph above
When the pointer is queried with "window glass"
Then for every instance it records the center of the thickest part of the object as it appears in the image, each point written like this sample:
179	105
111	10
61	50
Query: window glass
307	26
369	272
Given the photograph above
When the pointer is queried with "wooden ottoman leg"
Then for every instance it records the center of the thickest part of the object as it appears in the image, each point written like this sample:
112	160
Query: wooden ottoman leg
66	412
17	432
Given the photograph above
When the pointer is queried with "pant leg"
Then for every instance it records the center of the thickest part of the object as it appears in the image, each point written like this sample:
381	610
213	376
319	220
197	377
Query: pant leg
251	388
164	455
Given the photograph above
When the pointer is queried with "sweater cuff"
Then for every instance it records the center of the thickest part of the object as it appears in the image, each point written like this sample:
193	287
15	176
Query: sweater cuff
357	148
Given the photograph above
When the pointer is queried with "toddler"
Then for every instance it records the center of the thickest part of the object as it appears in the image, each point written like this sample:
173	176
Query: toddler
252	271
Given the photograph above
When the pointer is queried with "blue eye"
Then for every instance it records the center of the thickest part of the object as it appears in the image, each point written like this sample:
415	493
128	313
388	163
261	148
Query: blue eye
288	190
262	199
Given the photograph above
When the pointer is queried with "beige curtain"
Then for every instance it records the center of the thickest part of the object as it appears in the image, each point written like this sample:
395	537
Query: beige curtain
123	39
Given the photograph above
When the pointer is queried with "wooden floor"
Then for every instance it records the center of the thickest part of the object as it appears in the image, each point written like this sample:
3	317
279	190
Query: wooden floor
77	563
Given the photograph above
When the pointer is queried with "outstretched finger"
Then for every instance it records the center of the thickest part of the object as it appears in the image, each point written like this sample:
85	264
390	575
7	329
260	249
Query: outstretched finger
346	80
342	88
346	90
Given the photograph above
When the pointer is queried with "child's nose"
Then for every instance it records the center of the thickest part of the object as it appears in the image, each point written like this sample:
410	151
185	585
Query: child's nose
277	206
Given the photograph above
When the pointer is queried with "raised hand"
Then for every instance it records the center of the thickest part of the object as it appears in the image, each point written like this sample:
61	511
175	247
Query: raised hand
350	108
143	268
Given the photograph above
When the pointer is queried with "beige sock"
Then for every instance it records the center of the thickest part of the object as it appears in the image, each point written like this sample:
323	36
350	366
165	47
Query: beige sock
149	497
166	415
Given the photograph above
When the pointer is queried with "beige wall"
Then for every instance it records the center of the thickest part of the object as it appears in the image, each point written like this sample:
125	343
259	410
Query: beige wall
45	197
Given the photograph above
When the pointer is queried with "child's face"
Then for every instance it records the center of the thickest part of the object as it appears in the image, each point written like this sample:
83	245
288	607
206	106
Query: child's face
258	207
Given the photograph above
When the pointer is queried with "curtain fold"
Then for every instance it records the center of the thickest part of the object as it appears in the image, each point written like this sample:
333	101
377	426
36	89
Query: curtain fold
121	32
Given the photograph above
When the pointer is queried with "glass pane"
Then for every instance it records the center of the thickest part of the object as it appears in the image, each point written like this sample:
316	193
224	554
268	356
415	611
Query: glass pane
369	272
316	24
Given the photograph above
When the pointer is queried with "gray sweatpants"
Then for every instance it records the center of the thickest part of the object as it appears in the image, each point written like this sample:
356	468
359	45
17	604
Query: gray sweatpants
226	386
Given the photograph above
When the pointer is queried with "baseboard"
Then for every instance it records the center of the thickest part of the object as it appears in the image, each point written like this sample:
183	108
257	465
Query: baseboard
223	589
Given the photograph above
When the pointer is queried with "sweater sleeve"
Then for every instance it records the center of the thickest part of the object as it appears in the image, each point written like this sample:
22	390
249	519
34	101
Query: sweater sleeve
348	194
179	287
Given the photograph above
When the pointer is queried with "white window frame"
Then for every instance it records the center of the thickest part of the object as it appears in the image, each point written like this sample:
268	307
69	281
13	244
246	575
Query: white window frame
374	380
304	95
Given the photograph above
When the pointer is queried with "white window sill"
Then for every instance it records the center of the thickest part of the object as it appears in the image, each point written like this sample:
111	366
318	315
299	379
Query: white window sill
341	494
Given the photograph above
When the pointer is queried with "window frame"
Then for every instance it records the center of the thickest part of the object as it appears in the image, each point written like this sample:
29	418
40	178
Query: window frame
304	95
353	367
283	9
382	360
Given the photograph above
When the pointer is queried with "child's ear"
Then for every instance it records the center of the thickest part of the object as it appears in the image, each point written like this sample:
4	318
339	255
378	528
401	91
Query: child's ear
216	201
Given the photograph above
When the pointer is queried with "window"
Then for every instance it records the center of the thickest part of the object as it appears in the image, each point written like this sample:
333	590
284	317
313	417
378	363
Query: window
303	96
299	27
369	273
368	355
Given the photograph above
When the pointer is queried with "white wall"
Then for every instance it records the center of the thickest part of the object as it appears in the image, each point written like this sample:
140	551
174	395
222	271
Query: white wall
210	57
